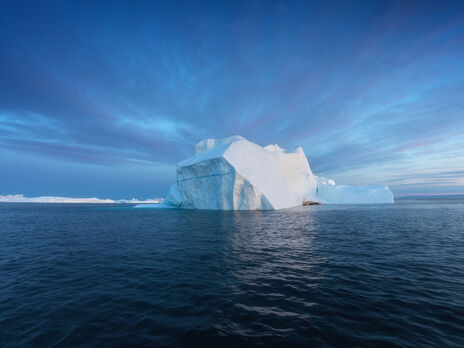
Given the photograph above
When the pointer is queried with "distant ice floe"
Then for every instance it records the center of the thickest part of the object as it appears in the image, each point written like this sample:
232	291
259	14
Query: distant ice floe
51	199
154	205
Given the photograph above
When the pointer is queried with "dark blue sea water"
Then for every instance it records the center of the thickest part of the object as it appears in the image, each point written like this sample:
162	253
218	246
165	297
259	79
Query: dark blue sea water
331	275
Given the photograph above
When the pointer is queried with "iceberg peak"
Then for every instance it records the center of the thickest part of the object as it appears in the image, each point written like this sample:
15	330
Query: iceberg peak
210	144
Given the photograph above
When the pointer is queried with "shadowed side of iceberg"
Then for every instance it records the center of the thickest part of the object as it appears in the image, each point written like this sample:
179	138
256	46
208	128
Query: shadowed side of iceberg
216	185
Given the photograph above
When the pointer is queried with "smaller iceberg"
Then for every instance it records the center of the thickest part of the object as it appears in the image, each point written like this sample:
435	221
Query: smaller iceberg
236	174
341	194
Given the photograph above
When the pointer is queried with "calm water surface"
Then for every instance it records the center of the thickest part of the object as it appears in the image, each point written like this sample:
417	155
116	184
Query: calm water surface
339	275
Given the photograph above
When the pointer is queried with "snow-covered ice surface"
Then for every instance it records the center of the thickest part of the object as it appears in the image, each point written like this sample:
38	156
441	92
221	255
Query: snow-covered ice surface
52	199
236	174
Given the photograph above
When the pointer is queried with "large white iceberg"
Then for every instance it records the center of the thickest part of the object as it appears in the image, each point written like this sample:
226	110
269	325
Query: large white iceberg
236	174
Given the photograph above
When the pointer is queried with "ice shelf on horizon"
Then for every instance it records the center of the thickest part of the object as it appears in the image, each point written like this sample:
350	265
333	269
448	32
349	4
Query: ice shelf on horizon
19	198
236	174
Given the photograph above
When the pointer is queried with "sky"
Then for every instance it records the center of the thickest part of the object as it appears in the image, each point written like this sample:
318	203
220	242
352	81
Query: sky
102	99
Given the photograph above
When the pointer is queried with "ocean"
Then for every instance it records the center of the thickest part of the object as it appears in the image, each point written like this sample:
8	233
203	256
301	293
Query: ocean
328	275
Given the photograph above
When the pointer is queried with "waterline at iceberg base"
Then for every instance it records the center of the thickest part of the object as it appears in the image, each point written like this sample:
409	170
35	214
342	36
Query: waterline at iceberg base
236	174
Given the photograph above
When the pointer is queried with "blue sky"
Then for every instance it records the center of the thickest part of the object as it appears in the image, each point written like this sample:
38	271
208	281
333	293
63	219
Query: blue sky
103	98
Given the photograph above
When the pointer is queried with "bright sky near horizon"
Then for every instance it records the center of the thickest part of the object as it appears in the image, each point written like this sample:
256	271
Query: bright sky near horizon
103	98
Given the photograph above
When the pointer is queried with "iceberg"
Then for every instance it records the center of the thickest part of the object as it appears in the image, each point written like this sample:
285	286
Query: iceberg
235	174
